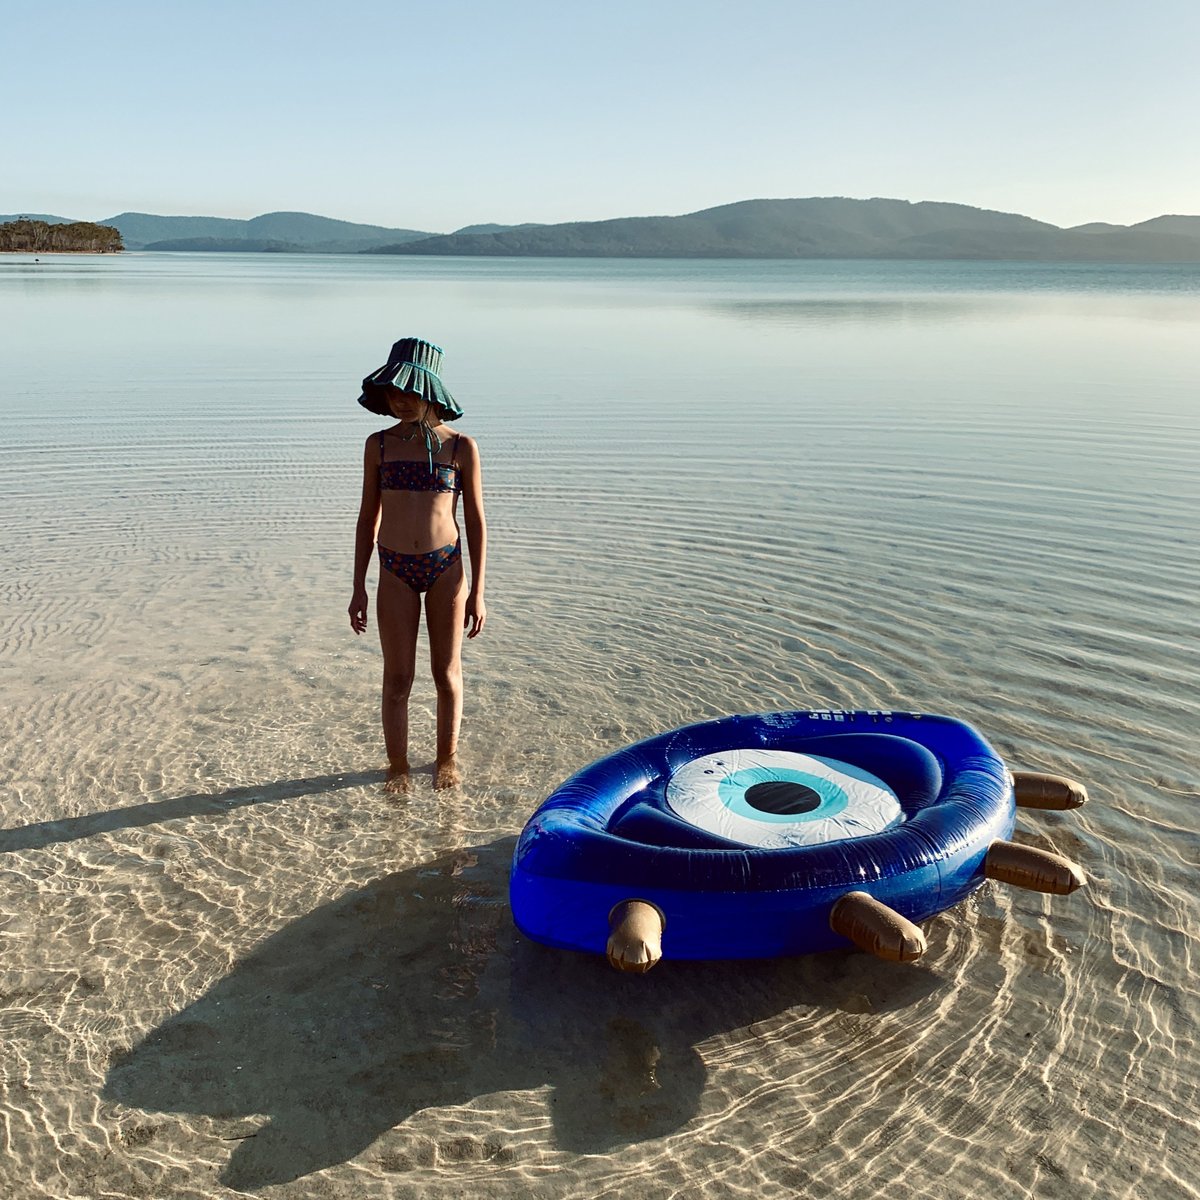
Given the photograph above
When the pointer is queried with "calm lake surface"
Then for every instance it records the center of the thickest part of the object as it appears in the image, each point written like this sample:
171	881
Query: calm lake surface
231	965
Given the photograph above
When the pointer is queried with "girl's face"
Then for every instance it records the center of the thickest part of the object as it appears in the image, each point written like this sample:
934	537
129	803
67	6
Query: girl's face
406	406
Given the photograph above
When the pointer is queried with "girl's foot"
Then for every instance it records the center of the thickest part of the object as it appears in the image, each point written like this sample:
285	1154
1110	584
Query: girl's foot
446	774
396	783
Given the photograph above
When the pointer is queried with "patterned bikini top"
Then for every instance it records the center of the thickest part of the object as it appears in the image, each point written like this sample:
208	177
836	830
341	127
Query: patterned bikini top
409	475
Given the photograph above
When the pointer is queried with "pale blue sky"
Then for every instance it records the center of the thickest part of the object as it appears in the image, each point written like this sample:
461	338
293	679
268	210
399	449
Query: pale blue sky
436	115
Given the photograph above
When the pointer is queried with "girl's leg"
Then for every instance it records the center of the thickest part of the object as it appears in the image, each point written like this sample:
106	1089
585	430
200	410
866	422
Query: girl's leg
398	611
445	605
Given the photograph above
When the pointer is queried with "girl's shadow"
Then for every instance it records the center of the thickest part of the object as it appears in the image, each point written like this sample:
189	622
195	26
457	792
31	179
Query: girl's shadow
415	991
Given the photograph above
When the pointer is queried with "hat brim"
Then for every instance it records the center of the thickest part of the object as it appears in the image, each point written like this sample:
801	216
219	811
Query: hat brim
408	378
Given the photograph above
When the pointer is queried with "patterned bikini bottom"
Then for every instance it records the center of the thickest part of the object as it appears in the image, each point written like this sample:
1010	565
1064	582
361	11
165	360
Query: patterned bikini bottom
420	571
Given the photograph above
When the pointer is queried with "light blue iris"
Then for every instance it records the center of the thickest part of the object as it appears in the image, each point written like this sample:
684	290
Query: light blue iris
732	792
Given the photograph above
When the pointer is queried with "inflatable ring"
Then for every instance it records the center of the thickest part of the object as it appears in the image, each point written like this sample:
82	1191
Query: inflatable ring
776	834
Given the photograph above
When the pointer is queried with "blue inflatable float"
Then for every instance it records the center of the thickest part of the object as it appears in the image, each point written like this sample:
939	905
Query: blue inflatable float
777	834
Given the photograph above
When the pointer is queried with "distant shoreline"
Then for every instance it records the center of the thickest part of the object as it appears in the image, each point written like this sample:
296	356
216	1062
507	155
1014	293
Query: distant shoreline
812	261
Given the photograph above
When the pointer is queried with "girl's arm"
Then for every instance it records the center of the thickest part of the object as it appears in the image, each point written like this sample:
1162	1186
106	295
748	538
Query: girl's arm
476	523
364	533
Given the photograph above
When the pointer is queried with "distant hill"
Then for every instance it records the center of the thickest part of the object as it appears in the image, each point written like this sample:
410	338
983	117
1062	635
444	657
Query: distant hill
45	217
1189	226
831	227
469	229
288	230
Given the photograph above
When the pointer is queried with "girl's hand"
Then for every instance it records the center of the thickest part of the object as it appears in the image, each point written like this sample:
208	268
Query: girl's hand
358	610
476	615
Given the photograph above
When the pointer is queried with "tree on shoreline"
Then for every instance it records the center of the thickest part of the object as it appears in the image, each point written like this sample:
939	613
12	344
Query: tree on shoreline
39	237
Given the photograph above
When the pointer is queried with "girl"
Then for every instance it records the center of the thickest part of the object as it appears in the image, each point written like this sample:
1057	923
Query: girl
413	475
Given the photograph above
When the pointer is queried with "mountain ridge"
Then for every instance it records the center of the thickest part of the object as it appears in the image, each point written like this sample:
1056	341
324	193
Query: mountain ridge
832	227
813	227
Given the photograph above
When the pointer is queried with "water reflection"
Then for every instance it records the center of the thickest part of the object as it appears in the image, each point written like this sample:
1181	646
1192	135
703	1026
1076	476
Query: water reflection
832	310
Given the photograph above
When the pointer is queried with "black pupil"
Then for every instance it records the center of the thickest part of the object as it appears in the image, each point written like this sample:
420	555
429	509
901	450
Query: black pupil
782	798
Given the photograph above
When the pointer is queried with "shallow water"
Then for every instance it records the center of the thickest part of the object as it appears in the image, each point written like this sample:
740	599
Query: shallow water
230	964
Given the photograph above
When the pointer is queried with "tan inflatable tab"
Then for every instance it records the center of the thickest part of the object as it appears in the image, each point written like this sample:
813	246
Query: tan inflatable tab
877	929
1036	790
635	943
1028	867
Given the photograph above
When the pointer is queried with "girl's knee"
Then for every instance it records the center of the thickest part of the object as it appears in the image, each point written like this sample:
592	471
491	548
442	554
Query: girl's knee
448	678
397	685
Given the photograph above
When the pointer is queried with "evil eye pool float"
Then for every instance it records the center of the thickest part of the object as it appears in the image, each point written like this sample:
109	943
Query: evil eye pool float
781	833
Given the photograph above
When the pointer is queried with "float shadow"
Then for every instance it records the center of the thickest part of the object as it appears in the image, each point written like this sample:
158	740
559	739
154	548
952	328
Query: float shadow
415	991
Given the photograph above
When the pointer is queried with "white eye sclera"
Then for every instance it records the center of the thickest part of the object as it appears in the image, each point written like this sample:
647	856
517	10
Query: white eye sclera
776	798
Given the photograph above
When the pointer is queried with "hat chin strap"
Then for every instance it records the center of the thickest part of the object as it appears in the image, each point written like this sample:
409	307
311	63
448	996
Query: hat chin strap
433	443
